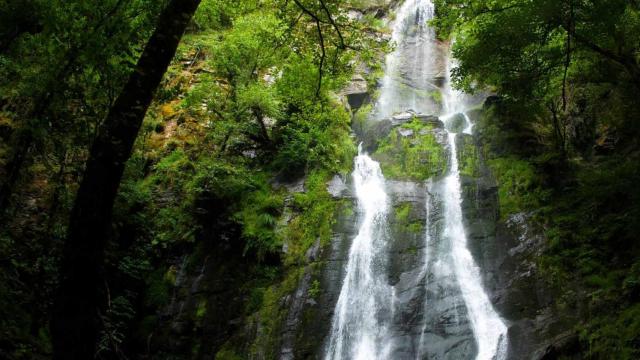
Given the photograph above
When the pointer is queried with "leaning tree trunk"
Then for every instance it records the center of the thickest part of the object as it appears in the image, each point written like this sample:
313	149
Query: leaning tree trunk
75	324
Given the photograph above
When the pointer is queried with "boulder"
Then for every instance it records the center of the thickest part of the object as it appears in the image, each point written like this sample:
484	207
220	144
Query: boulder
405	132
357	92
457	123
431	119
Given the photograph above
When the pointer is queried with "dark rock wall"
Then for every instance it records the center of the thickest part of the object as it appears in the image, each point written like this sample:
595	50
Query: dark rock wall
505	248
429	317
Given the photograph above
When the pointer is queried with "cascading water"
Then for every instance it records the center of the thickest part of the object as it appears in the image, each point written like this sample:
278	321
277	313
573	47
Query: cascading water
455	318
364	307
412	67
488	328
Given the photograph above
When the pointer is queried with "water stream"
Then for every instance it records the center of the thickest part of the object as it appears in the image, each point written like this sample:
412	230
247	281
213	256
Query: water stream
363	310
412	67
455	311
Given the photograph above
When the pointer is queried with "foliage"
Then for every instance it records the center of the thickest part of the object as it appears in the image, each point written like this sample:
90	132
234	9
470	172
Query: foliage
315	139
519	187
259	218
61	63
314	218
562	141
417	156
587	209
249	97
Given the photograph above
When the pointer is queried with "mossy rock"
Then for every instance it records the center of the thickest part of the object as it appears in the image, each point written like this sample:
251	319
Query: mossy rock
457	123
412	152
468	159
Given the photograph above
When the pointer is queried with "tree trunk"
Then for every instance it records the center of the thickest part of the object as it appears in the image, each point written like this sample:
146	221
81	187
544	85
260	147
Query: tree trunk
75	324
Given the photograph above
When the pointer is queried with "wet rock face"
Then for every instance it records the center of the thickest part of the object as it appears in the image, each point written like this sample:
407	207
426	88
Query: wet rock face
505	250
430	319
457	123
310	308
206	301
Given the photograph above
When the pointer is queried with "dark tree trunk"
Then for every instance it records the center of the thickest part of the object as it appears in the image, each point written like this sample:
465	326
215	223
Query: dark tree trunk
75	324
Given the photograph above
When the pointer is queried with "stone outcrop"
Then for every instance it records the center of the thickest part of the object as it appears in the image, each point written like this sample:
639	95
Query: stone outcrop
356	92
505	249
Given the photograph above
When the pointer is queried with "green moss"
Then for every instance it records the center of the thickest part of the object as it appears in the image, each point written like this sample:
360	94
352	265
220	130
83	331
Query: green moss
361	116
468	158
272	314
518	185
416	157
315	215
436	96
171	275
404	221
416	227
158	289
402	212
412	250
201	309
346	208
226	354
256	296
314	290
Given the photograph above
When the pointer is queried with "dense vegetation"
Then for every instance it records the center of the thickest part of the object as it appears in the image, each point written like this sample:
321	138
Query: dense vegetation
247	104
562	139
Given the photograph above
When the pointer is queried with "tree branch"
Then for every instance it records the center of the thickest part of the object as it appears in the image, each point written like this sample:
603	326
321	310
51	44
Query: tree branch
324	54
629	63
318	22
333	23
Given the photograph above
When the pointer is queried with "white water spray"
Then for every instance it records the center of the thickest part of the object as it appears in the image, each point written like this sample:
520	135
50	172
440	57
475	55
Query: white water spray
424	272
365	308
359	328
488	328
411	69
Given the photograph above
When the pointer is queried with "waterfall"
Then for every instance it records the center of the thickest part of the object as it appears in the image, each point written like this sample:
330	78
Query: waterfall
359	328
411	69
425	268
364	325
488	328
